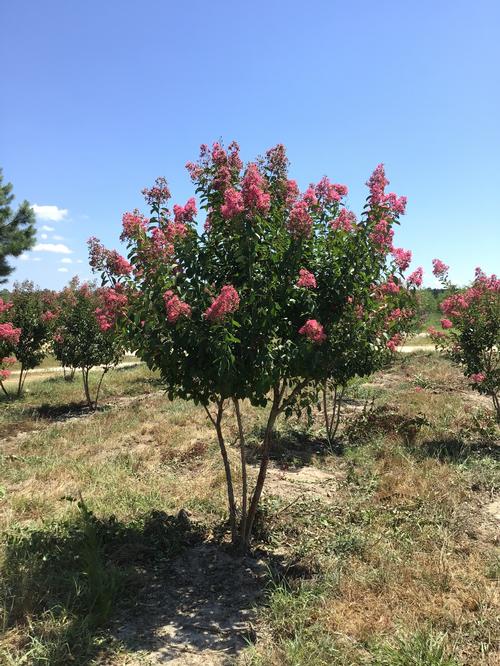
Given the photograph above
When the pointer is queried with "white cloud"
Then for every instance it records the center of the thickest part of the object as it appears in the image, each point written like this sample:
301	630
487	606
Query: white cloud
66	260
45	227
59	248
24	256
58	237
79	261
52	213
43	236
62	270
37	258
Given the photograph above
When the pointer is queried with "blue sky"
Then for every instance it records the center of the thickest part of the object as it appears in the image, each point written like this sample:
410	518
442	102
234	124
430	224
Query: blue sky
99	98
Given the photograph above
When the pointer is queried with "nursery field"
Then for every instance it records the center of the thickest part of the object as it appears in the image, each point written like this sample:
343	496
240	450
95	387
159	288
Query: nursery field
383	551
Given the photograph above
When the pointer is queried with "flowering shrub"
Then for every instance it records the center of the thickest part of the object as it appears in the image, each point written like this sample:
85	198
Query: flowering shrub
84	331
283	291
471	330
25	330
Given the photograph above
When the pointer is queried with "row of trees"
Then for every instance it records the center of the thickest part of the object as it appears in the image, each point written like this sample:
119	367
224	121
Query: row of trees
74	324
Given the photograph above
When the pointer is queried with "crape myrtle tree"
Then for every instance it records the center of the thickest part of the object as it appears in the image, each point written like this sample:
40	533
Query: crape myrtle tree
471	330
282	291
23	331
17	229
25	324
84	332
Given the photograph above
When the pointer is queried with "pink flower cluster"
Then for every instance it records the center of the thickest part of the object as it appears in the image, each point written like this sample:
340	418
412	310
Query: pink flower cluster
344	221
382	235
9	334
158	194
133	224
227	165
109	260
313	330
4	372
390	287
292	193
300	223
225	303
377	184
439	268
306	279
478	377
415	279
114	304
185	214
175	307
253	189
4	306
394	342
48	316
330	192
402	258
446	323
434	333
233	204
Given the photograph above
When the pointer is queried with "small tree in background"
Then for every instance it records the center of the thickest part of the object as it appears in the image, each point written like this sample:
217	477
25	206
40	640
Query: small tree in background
263	304
471	330
17	230
84	333
29	313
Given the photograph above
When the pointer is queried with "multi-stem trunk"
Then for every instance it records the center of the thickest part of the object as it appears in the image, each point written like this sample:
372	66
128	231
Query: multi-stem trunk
332	422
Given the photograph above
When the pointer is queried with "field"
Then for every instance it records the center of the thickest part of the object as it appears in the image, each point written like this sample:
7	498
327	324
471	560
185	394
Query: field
382	551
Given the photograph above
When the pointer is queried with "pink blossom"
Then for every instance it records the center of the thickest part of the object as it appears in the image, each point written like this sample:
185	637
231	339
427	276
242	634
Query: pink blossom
310	197
253	192
402	258
118	265
9	334
446	323
390	287
300	222
133	224
114	303
395	203
226	302
233	204
394	342
306	279
478	377
7	360
47	316
344	221
439	267
4	306
158	194
434	333
330	192
292	192
382	235
175	307
313	330
416	277
185	214
4	374
376	184
58	338
277	161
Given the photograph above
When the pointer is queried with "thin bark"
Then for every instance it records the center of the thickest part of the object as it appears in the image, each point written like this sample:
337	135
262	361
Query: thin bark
4	389
20	382
266	445
99	387
227	468
244	490
85	374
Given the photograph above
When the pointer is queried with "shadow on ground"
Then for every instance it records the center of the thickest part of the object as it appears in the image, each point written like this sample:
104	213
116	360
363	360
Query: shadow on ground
76	590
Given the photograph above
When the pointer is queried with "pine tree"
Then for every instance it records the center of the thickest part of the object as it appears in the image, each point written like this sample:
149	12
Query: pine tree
17	230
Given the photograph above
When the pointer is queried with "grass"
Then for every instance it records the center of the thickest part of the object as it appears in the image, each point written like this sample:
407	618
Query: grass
385	558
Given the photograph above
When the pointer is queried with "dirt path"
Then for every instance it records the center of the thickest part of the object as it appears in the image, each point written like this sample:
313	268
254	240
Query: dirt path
200	611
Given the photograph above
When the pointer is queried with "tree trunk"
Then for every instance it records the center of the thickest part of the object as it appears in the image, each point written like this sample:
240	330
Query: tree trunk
244	483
